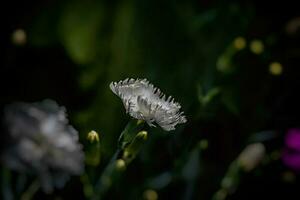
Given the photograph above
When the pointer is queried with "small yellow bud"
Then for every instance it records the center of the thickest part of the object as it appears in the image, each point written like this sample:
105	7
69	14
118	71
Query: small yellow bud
150	195
126	154
120	164
203	144
93	150
223	63
140	122
93	136
143	134
275	68
239	43
257	46
134	147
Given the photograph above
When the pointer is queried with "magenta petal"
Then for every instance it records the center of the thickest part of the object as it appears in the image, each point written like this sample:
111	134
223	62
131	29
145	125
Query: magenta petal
292	139
291	160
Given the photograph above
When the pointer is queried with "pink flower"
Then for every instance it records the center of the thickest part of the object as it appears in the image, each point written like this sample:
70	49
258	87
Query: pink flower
291	152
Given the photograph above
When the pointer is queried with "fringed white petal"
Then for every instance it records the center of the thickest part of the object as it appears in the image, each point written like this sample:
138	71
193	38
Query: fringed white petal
145	102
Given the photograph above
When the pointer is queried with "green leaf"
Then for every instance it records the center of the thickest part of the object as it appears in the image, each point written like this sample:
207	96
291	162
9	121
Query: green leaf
78	30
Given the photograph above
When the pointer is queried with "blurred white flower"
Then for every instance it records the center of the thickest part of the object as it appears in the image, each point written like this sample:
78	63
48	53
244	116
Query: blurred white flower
145	102
42	143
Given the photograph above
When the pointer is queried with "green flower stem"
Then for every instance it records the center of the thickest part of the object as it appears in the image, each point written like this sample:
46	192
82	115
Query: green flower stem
88	189
93	150
32	189
105	181
21	183
130	141
130	131
6	190
229	182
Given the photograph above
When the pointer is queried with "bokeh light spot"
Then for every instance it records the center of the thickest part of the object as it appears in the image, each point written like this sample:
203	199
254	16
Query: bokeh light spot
275	68
256	46
150	195
239	43
19	37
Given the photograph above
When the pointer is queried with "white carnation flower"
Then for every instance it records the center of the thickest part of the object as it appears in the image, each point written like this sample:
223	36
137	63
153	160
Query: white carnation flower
145	102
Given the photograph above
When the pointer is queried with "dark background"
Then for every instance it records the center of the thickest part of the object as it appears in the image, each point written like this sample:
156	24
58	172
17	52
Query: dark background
74	49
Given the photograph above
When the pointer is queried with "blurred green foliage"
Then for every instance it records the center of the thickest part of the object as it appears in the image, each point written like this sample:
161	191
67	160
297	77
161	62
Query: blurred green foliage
175	45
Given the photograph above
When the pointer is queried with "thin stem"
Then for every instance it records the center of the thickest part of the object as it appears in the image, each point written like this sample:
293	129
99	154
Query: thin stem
30	192
21	183
113	170
105	180
6	184
87	186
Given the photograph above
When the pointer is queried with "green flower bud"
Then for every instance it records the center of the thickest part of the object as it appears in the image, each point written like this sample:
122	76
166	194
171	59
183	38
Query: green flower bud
93	136
93	151
134	147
